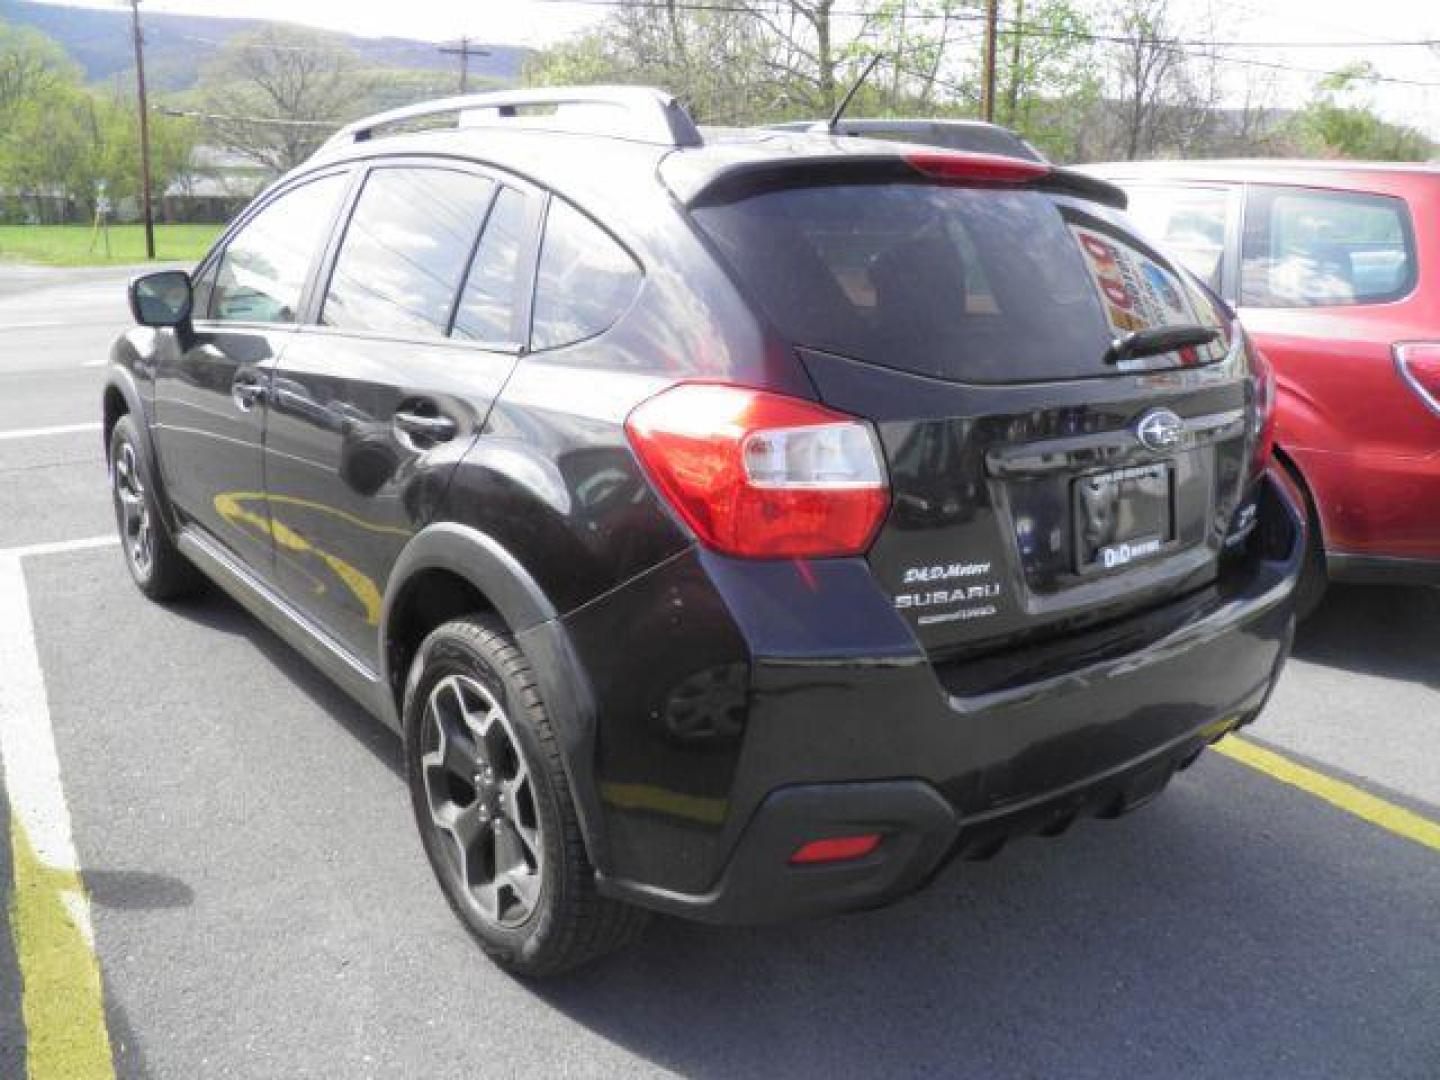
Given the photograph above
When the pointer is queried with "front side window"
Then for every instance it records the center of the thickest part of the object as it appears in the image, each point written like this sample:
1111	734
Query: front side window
405	250
585	282
1310	248
1188	222
262	272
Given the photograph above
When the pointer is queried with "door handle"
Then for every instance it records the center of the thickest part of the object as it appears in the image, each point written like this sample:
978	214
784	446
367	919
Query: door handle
432	428
246	393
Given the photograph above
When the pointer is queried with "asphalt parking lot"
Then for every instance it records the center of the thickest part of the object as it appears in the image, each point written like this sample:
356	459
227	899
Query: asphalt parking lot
261	907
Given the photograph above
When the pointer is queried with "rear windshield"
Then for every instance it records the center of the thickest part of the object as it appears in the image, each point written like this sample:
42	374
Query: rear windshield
967	284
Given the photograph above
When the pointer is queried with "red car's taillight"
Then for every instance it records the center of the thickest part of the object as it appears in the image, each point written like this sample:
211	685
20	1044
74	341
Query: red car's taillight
1263	377
1419	365
762	475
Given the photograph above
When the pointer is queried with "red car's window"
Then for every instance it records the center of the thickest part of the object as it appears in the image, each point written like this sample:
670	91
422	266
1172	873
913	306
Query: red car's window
1189	223
1309	248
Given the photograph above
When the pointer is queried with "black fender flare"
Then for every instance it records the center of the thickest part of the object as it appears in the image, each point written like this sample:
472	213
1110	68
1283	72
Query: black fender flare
121	379
518	599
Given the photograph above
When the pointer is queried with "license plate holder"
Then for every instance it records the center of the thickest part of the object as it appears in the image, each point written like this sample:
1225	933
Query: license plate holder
1123	516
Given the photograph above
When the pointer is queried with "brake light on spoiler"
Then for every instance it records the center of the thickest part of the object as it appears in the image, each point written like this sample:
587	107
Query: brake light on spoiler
976	168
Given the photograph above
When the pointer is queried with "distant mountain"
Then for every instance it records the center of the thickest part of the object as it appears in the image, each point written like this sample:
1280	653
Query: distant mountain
178	46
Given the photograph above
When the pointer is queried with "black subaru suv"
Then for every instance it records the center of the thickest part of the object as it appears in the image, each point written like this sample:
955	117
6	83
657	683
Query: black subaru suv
735	530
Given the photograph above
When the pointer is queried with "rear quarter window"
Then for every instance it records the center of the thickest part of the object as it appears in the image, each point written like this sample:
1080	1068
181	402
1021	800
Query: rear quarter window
966	284
1306	247
585	280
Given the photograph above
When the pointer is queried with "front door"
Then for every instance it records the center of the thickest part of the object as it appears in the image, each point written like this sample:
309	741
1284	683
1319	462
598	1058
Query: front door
211	385
372	408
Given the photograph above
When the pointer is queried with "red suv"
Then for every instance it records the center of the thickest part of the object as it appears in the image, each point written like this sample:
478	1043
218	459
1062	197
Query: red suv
1335	268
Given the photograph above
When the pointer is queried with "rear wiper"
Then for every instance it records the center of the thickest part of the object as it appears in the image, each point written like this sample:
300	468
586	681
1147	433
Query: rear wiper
1160	339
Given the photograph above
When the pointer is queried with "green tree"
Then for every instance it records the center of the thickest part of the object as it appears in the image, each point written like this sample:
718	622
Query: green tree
280	92
31	66
1046	76
1341	122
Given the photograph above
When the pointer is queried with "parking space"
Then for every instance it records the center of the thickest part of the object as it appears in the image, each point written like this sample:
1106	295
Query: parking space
261	906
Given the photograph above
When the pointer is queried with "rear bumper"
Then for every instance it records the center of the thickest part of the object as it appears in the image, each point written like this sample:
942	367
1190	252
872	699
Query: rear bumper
835	746
922	832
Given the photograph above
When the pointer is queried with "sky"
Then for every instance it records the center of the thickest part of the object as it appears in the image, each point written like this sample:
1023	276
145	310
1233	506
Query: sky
1343	31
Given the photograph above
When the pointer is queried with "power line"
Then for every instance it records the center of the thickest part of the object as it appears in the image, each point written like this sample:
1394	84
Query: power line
977	15
320	50
1187	47
191	114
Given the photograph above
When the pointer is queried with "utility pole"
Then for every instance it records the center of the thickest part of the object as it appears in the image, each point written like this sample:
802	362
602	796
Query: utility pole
987	84
464	51
144	109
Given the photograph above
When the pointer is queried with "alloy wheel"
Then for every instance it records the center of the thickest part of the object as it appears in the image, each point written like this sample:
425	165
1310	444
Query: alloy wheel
482	803
135	525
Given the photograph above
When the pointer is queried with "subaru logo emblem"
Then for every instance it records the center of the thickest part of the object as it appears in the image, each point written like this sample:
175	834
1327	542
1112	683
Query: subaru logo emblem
1159	429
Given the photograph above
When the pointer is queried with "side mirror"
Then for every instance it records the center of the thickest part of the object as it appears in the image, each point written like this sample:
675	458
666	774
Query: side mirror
162	298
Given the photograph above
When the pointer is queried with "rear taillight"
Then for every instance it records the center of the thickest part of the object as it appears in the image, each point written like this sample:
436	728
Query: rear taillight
761	475
1262	375
1419	365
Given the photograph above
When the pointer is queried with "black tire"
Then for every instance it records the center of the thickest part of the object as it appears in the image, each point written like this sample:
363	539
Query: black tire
156	565
567	923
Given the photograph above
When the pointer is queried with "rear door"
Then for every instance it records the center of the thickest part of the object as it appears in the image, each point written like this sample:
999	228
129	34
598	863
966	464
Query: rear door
1034	486
415	331
211	389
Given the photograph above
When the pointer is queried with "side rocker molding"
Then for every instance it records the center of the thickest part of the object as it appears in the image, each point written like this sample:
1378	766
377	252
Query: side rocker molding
498	576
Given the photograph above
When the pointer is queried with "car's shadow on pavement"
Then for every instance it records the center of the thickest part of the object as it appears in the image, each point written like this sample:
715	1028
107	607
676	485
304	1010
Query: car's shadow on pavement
1385	630
1233	929
216	611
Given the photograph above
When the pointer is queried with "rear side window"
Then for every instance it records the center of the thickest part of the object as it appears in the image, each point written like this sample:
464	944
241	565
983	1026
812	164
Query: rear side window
968	284
585	282
405	251
1310	248
1188	222
263	269
492	288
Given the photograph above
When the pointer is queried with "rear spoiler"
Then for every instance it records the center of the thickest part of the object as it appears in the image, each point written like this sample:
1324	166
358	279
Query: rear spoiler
736	180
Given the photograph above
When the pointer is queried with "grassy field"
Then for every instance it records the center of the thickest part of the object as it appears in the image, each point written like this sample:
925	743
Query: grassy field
78	245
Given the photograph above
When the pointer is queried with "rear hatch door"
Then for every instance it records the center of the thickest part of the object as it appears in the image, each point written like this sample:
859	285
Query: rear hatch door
1036	486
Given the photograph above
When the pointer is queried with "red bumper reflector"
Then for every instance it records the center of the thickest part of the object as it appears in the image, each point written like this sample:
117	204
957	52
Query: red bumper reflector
835	849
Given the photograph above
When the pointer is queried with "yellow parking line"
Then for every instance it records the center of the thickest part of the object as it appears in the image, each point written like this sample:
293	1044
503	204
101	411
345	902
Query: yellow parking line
1348	797
63	1003
62	995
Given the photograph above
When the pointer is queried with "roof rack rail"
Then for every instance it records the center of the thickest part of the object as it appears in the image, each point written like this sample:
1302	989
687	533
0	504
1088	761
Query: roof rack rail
651	115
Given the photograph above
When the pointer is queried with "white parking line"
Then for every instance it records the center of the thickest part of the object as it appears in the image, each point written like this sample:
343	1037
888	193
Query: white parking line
63	1003
40	432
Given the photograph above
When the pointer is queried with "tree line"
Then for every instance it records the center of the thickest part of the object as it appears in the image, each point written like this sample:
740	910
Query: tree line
1138	84
1082	80
268	99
